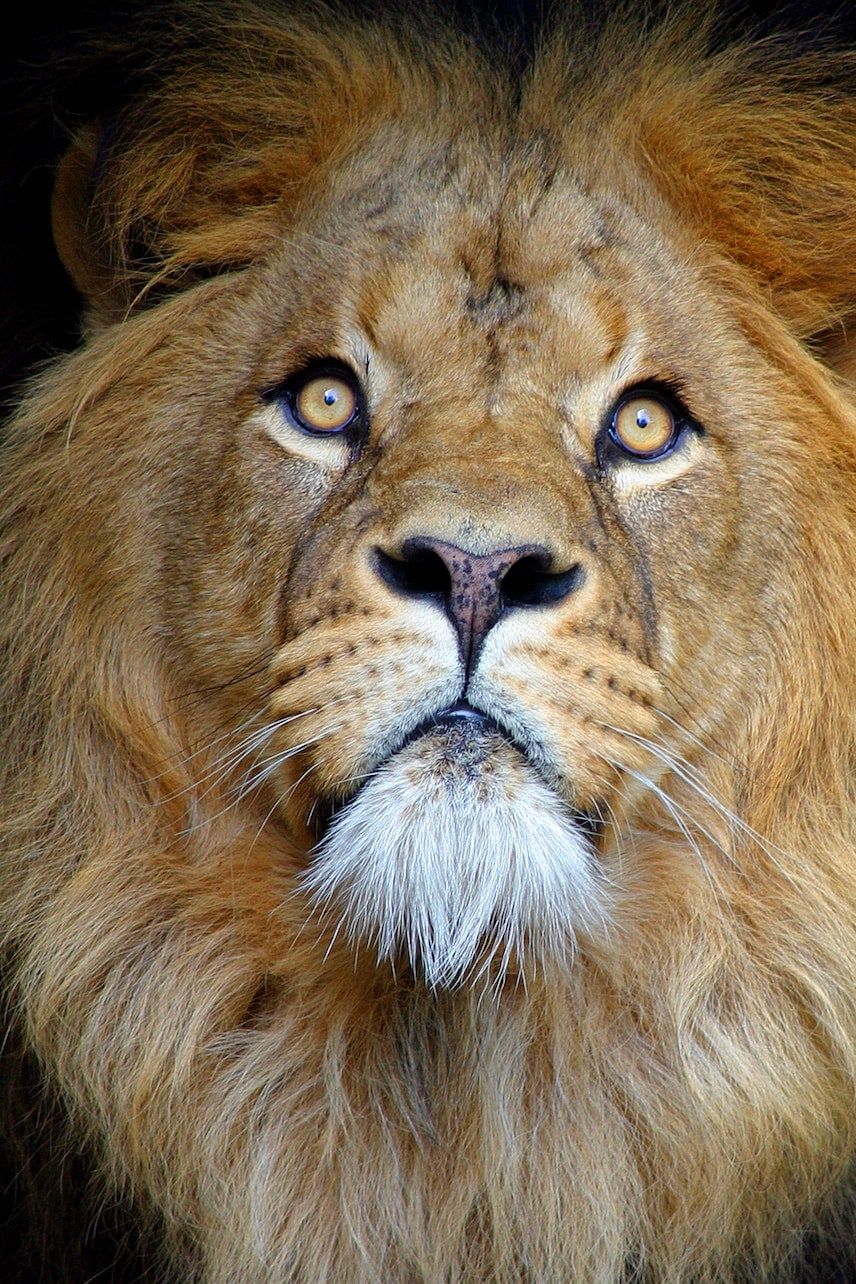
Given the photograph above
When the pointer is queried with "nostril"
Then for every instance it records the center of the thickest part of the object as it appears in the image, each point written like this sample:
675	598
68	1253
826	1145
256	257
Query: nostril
475	589
420	573
529	583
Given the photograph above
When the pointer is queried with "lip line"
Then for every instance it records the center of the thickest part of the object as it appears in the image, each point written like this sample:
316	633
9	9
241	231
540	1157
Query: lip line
458	715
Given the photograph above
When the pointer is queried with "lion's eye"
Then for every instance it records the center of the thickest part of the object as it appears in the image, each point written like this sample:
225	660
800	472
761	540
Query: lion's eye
644	426
322	402
325	404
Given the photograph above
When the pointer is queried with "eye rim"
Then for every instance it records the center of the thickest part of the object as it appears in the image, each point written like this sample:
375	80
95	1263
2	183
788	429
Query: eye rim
287	393
610	445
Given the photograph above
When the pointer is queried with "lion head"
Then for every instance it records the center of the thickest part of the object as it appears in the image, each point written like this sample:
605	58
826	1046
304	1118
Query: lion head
429	601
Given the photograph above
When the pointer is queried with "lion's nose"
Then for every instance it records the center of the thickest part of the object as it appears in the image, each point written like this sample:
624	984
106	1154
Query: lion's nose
475	590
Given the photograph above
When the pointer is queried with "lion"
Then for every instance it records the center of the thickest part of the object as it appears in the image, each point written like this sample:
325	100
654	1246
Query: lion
429	635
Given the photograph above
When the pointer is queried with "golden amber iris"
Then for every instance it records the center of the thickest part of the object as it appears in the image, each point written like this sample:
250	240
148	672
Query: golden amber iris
325	403
644	426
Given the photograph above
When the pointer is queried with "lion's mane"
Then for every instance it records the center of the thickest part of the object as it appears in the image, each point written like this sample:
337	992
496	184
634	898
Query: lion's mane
270	1092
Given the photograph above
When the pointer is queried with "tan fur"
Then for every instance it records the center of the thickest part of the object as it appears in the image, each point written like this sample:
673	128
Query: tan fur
197	650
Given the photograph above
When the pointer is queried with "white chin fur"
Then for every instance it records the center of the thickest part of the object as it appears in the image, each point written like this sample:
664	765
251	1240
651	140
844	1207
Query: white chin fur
458	857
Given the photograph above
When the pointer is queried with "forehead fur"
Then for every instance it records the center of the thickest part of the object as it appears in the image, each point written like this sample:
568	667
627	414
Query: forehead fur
751	151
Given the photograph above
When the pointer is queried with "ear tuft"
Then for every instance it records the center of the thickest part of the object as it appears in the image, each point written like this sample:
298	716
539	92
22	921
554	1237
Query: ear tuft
80	245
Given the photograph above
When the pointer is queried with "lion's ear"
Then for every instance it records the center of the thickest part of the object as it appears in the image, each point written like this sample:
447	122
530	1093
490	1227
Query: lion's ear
202	169
79	237
133	218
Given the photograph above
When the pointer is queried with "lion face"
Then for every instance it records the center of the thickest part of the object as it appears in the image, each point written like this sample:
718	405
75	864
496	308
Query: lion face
512	523
430	829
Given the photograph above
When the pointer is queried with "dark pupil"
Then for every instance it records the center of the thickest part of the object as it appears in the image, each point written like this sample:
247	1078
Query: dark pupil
643	418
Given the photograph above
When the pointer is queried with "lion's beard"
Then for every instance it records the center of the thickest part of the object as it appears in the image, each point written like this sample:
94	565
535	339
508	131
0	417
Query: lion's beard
458	858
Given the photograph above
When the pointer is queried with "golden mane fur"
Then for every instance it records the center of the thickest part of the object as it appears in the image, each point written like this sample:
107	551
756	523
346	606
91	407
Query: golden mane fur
273	1079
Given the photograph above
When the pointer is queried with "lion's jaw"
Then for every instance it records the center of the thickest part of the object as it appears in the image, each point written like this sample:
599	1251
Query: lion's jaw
454	853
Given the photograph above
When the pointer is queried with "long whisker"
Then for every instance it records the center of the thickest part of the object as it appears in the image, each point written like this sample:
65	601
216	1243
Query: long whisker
701	744
269	765
250	784
200	695
183	757
221	767
682	769
708	744
683	819
686	773
224	765
274	806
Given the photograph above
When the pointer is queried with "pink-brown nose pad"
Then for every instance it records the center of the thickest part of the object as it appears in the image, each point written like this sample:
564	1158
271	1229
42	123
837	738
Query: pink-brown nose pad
475	590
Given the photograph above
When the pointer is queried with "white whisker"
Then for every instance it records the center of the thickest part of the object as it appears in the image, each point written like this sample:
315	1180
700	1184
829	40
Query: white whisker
683	819
684	772
262	769
250	785
699	743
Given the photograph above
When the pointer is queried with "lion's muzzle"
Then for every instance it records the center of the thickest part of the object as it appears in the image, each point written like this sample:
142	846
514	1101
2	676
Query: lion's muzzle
456	858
